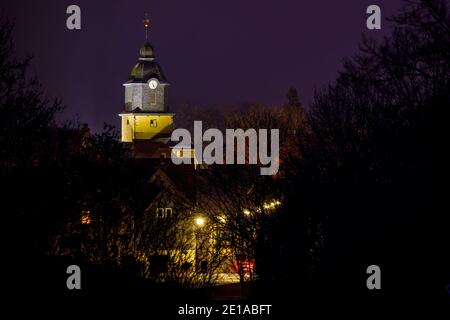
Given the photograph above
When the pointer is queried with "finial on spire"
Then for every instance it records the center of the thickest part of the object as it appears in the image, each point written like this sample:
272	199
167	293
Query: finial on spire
146	25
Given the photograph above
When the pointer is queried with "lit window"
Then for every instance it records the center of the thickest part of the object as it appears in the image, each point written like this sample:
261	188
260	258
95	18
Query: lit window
160	213
164	212
86	217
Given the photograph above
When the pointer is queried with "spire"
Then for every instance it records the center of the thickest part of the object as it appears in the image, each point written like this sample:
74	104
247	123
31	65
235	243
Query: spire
146	22
146	52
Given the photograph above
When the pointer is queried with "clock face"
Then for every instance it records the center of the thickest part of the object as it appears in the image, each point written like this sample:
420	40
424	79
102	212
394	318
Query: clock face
153	84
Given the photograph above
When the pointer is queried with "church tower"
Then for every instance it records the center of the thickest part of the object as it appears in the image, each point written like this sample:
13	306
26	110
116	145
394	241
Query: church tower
146	115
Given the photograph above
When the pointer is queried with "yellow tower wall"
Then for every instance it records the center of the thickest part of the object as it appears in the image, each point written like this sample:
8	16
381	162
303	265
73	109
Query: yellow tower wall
145	126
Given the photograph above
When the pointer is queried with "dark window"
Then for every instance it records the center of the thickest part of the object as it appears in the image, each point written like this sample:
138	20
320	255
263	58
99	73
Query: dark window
185	267
153	123
203	266
152	98
159	264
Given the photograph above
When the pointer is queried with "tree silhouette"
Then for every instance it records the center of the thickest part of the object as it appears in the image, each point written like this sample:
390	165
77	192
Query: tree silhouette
365	168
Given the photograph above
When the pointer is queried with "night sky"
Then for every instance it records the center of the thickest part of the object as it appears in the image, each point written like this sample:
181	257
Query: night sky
214	53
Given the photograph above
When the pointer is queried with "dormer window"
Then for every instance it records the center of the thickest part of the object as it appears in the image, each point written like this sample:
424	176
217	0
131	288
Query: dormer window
163	213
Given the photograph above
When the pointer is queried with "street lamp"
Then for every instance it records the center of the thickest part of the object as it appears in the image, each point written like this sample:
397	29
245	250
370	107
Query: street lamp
200	222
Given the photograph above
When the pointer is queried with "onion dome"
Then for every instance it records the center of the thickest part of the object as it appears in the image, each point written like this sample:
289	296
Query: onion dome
147	67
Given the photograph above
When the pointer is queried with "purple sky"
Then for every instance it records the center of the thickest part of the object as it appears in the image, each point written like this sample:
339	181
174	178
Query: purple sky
213	52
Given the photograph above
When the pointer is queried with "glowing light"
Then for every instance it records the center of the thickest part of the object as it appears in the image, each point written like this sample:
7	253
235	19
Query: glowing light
271	205
200	222
246	212
222	219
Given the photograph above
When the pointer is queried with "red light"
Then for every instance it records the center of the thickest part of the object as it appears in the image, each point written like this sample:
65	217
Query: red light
245	265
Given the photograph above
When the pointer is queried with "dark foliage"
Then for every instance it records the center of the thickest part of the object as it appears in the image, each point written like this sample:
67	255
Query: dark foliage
355	179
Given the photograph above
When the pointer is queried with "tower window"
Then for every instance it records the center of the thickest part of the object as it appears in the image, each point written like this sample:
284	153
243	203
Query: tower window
152	98
153	123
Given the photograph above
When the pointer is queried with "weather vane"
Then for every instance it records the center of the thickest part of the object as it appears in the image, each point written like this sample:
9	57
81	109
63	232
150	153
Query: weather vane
146	25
